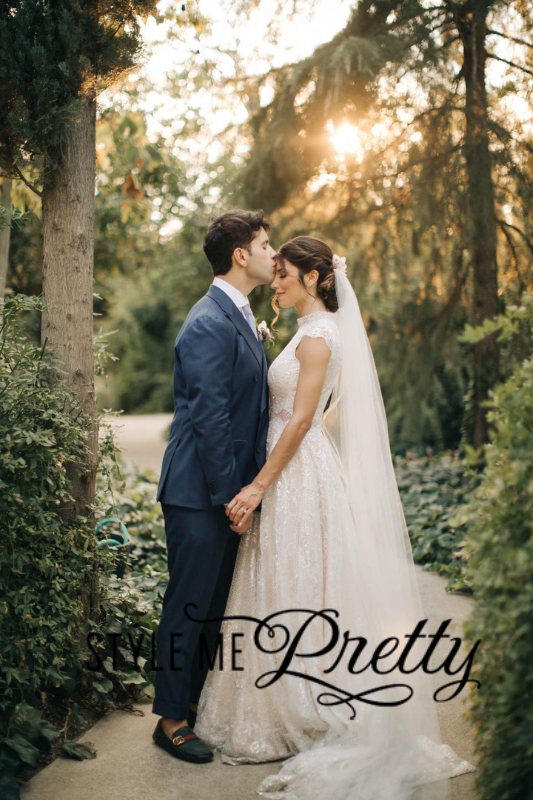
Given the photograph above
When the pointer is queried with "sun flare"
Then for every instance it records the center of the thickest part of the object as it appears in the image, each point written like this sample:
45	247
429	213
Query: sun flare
347	139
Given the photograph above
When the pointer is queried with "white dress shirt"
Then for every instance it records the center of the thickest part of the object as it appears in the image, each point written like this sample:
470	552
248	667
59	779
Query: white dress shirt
239	299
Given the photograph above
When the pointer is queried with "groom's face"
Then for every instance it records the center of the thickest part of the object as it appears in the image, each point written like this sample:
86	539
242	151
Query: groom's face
261	259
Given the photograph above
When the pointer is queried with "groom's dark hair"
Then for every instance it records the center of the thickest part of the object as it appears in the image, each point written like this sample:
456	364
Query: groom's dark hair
225	233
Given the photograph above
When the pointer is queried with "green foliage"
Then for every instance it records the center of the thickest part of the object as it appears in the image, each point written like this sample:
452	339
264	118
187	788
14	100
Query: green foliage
148	311
506	324
499	548
140	184
52	54
420	365
11	217
28	734
515	333
432	489
24	275
46	561
46	558
131	607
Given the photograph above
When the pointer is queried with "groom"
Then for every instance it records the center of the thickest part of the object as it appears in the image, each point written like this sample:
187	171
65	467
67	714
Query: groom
217	445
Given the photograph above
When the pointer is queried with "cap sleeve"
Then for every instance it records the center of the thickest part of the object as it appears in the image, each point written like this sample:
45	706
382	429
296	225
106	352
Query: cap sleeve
320	331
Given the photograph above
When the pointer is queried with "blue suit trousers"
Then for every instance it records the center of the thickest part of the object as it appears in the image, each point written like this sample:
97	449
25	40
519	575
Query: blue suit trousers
202	550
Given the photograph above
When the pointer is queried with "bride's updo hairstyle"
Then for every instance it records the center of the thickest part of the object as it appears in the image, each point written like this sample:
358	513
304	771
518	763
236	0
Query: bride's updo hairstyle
307	253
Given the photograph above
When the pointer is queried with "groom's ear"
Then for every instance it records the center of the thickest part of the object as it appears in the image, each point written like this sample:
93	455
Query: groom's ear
240	256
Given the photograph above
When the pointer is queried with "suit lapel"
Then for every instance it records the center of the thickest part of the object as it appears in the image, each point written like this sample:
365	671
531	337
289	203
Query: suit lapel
228	306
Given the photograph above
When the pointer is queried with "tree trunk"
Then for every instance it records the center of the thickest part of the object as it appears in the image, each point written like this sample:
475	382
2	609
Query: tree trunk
471	23
68	257
5	236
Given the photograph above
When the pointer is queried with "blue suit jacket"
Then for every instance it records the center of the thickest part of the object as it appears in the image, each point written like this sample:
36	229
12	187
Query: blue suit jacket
217	440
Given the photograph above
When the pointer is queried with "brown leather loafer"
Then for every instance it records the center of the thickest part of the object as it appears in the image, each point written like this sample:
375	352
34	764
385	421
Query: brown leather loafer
184	744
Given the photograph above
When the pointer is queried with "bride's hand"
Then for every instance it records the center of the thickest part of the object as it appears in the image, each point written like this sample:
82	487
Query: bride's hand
241	508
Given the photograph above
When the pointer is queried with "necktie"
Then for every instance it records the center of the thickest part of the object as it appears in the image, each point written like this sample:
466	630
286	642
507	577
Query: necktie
247	311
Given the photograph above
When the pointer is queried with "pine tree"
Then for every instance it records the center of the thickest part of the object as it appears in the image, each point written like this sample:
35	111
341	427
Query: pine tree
340	80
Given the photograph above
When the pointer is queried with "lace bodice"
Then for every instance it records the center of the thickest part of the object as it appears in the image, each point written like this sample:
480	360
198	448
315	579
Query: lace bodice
285	369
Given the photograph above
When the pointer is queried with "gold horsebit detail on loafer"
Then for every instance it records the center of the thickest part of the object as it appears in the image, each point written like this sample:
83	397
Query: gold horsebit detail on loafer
177	740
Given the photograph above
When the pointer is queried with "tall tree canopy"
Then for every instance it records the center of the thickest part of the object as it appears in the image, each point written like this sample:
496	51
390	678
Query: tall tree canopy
440	159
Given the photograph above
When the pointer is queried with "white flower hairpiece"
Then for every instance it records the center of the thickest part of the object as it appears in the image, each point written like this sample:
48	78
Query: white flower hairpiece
264	332
339	263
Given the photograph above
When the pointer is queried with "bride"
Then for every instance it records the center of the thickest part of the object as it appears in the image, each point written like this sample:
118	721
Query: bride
329	552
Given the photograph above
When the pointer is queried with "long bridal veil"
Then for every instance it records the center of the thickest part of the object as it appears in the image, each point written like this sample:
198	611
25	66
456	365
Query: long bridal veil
387	752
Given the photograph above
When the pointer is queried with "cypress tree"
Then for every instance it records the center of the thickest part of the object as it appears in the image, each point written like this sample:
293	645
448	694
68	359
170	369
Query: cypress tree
55	58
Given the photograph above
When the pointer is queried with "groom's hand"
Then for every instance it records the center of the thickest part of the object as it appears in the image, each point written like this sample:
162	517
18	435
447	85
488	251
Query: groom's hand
247	528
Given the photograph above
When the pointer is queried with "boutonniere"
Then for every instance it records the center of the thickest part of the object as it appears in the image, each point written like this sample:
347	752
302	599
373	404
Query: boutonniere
265	335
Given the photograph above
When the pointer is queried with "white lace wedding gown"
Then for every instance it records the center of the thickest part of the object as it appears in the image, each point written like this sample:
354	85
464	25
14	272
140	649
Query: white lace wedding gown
302	554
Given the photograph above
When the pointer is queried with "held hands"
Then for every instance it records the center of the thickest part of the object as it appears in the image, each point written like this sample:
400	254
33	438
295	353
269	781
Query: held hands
240	510
236	527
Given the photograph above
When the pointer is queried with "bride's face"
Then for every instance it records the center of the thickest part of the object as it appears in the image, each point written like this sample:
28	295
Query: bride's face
287	284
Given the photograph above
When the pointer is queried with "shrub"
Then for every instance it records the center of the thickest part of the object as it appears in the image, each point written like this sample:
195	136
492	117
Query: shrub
45	561
132	605
499	546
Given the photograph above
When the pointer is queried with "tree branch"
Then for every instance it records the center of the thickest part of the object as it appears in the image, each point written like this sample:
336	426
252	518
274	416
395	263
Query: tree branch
433	109
510	38
518	230
512	247
521	282
505	135
28	184
449	42
425	12
510	63
417	161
